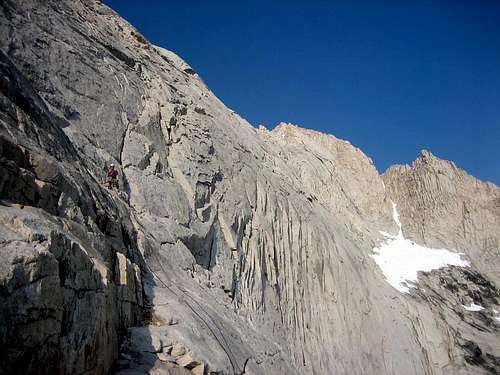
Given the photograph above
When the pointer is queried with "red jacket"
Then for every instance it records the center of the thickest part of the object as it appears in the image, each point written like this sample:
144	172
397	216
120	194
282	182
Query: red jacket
113	173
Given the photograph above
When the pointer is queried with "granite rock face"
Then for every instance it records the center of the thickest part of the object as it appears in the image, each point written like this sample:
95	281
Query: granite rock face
229	249
441	205
61	235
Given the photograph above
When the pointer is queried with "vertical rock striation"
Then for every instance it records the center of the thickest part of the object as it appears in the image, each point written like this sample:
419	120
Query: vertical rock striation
442	205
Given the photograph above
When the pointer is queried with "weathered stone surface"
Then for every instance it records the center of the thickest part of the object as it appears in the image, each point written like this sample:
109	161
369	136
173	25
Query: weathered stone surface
199	370
441	205
187	361
250	249
54	299
178	350
59	307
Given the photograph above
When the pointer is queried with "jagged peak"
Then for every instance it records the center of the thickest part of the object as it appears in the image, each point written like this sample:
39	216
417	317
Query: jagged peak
430	163
426	154
287	127
427	158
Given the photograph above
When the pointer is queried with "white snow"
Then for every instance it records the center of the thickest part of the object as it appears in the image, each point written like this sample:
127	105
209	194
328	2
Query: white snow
400	259
473	307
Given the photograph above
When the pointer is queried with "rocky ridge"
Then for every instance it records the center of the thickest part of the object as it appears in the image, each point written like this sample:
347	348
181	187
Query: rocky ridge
230	249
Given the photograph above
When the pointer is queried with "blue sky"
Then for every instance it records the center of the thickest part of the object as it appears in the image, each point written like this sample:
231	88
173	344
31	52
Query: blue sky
392	77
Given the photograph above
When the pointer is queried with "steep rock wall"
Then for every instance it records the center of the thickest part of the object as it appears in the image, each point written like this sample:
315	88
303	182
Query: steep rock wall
61	234
442	205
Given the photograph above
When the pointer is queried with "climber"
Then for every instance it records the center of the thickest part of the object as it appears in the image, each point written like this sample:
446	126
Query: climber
113	178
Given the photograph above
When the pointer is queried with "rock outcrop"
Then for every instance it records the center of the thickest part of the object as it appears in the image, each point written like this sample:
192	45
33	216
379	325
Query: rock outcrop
229	249
441	205
63	301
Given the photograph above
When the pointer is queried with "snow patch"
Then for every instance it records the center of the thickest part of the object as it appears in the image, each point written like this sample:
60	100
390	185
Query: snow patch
400	259
473	307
